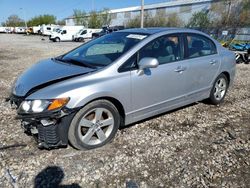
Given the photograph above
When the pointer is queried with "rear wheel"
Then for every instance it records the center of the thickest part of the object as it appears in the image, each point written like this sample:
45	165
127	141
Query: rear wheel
219	90
94	125
57	39
239	60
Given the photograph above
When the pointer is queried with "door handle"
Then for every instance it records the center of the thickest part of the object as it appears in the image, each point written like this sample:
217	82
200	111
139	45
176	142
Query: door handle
212	62
180	69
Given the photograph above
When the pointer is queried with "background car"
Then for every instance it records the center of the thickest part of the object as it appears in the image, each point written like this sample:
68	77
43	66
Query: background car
106	30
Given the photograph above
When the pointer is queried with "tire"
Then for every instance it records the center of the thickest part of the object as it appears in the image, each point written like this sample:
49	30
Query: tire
81	39
57	39
239	60
219	90
86	129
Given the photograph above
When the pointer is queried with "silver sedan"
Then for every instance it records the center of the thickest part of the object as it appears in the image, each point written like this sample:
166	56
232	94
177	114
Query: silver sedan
85	95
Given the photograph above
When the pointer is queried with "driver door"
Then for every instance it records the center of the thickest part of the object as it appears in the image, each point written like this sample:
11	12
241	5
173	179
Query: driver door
163	87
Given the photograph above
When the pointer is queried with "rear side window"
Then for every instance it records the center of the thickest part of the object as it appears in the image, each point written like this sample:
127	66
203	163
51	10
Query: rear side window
198	45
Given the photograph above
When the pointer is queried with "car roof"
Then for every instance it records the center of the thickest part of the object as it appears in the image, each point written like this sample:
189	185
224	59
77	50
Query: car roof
154	30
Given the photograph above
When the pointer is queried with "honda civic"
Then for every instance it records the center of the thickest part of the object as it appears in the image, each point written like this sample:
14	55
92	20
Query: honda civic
84	96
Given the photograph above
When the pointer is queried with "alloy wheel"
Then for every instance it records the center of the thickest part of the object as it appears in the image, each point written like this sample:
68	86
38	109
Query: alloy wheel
220	88
96	126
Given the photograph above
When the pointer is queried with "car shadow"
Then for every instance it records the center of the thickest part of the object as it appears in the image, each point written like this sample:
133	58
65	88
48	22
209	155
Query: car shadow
158	115
51	177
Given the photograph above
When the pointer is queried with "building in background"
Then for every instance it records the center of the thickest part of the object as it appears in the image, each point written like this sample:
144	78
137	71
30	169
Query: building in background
183	8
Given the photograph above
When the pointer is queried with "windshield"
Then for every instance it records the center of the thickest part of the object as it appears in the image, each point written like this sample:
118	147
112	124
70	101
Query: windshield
104	50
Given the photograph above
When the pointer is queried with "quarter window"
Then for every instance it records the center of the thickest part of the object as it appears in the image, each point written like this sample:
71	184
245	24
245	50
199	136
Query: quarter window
198	46
130	64
165	49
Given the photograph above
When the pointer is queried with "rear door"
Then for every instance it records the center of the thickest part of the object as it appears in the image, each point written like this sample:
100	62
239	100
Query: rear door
202	62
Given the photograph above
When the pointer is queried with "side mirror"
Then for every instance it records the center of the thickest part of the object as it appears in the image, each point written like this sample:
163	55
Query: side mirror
147	62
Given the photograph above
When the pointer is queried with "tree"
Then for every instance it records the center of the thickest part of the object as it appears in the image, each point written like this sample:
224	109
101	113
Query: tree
80	17
42	19
230	13
244	14
159	20
147	19
105	17
94	20
199	19
14	21
60	22
174	21
134	22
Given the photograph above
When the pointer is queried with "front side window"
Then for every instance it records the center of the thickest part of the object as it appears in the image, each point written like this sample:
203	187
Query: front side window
198	45
165	49
84	32
104	50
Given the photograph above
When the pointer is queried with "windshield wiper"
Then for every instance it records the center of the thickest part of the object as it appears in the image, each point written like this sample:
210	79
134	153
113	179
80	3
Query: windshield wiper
77	62
59	58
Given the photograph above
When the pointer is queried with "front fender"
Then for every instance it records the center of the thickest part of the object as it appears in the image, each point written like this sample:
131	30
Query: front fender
83	101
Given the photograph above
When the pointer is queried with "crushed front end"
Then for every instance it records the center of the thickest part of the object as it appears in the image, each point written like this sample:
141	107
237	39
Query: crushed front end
50	128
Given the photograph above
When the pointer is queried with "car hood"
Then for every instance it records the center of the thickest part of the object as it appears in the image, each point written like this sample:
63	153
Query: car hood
44	73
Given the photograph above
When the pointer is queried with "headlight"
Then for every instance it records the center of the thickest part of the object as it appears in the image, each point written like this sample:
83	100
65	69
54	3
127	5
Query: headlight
36	106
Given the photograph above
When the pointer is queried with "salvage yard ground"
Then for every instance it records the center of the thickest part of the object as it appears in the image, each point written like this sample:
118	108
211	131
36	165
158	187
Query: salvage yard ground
196	146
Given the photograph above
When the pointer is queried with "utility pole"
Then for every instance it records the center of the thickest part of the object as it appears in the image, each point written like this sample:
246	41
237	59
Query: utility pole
24	17
229	11
142	13
93	5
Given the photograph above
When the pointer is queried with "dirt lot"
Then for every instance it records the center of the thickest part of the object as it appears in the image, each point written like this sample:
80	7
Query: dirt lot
196	146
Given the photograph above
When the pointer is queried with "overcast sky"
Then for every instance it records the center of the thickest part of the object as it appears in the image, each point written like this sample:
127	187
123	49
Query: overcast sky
27	9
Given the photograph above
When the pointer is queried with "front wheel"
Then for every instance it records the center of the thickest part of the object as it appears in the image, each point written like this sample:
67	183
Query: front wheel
57	39
94	125
219	90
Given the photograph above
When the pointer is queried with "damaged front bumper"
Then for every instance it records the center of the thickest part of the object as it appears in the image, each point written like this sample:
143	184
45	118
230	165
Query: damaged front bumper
49	128
50	131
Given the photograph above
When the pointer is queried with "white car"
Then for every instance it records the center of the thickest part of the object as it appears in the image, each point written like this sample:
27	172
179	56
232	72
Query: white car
85	34
66	33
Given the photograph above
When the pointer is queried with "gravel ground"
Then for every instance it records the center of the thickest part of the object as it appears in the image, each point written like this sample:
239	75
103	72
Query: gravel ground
196	146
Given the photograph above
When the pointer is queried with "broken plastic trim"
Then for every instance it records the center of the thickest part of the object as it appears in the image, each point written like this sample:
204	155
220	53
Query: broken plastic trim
48	114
